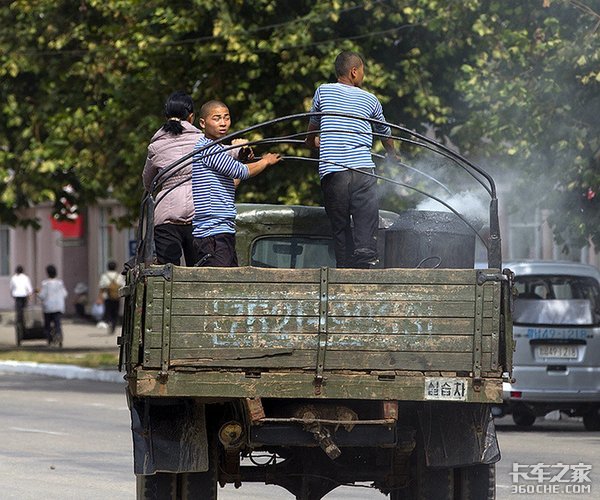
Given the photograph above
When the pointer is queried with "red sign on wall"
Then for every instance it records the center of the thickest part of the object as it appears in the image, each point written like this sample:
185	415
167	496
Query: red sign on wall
70	228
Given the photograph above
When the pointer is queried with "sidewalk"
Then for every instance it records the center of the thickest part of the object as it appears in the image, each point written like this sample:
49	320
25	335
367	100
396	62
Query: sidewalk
78	337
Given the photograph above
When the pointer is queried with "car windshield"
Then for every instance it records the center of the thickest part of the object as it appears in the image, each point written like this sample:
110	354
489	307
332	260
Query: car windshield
557	300
292	252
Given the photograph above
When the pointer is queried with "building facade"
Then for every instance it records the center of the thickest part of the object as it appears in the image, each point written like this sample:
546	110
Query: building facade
80	250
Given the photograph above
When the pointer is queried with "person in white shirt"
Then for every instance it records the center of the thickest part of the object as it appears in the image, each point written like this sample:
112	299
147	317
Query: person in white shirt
20	289
53	294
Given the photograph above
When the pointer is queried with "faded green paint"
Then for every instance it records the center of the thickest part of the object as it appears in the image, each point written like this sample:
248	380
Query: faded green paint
268	319
236	384
258	332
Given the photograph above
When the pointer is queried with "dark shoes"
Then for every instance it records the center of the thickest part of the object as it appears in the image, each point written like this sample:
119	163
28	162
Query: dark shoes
364	258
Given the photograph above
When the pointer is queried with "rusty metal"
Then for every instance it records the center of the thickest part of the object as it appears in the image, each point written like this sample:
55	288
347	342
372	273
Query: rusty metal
322	335
165	271
231	434
485	277
255	409
390	410
380	421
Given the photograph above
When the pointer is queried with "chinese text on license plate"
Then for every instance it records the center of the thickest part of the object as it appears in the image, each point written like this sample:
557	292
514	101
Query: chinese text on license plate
446	389
556	351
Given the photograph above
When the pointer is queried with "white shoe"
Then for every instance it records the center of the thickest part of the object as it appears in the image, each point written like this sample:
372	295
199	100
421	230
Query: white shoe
102	324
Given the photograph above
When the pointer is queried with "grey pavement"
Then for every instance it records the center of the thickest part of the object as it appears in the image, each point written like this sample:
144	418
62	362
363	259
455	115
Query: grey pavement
78	337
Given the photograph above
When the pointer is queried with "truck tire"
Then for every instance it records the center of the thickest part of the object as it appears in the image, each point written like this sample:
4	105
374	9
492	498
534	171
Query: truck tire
427	483
201	485
160	486
476	482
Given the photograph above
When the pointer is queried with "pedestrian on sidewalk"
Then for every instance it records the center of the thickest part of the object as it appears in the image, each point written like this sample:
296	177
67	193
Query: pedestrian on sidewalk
109	285
21	290
53	294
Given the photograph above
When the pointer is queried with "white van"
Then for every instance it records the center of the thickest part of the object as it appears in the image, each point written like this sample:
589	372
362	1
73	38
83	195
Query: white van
557	342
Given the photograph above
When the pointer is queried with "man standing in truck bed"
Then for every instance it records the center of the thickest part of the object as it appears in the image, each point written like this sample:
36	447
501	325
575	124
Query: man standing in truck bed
345	145
213	188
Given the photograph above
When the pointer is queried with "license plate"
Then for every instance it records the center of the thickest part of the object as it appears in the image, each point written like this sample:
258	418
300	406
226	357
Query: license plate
446	389
556	351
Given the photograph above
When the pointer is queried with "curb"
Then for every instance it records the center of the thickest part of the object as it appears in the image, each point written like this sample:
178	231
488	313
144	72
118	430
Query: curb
62	371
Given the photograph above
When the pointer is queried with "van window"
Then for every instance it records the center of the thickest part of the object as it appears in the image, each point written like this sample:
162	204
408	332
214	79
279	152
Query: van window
292	252
552	300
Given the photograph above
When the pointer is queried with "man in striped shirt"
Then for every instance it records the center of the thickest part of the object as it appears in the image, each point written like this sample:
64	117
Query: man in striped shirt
345	153
213	188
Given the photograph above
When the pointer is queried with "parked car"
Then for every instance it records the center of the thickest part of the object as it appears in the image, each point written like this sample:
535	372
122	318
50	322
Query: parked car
557	342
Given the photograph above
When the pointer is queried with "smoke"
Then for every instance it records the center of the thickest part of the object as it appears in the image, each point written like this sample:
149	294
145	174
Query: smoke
466	203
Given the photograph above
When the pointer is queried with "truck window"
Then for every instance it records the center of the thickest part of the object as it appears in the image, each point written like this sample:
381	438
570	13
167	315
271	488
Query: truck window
557	300
292	252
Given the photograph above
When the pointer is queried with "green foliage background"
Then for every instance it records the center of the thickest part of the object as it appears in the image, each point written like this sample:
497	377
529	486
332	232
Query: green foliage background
512	84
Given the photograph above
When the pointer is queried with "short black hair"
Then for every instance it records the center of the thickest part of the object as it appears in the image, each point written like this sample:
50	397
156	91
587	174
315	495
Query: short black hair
51	271
112	265
19	269
347	60
209	105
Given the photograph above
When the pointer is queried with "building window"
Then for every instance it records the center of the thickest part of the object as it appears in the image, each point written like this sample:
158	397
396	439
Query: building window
525	241
4	251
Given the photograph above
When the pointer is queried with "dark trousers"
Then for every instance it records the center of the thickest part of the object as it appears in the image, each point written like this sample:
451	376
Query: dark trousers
50	320
216	251
173	240
111	313
350	195
20	305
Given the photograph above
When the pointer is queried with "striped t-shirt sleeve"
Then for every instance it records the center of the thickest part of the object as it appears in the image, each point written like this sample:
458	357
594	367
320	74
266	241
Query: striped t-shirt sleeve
380	128
214	158
316	108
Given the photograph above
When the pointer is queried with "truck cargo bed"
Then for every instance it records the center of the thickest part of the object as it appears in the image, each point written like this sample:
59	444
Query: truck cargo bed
246	332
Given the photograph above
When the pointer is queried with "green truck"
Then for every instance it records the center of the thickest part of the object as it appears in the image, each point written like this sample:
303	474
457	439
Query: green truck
291	372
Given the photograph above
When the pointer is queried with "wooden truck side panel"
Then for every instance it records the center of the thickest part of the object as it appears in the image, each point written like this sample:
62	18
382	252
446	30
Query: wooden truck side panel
366	326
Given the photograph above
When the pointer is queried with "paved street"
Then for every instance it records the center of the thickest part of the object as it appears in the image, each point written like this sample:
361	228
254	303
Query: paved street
71	435
70	439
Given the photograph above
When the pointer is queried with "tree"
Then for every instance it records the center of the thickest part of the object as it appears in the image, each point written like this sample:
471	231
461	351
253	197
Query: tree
532	92
82	85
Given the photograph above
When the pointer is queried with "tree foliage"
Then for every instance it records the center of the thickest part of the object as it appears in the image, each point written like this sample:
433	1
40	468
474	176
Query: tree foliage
514	84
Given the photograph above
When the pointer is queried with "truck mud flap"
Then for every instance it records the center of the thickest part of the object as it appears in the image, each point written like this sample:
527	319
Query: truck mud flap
456	435
168	436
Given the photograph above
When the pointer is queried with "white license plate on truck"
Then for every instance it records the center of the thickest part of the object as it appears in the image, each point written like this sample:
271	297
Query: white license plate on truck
446	388
556	351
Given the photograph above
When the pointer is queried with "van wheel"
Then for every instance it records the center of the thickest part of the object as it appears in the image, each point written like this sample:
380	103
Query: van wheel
591	420
523	418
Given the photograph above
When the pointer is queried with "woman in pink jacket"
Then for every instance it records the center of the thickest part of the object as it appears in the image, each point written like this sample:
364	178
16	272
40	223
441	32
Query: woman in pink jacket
174	205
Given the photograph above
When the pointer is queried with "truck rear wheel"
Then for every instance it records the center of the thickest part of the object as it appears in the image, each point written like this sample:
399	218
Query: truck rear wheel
171	486
426	483
476	482
160	486
201	485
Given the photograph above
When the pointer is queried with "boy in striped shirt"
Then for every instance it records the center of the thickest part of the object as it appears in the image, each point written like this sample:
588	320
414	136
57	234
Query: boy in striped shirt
213	188
345	151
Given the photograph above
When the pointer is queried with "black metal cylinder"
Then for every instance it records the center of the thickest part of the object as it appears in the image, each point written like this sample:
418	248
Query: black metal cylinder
429	239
